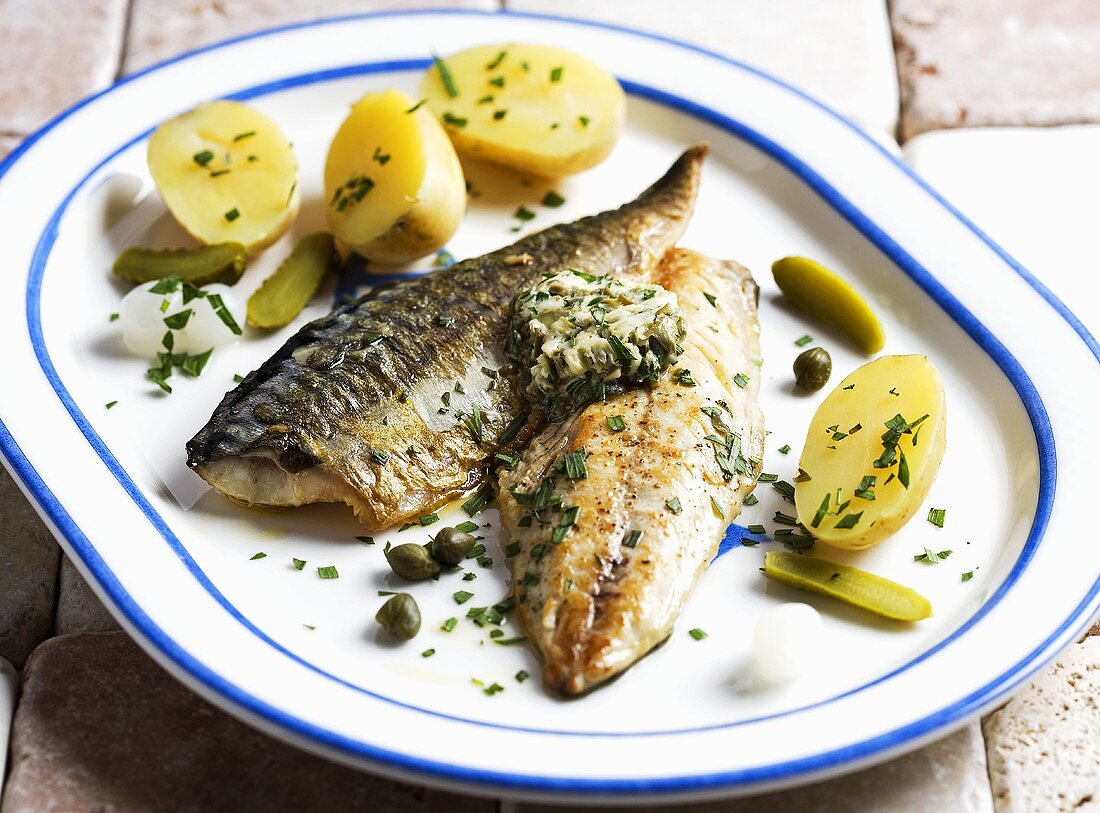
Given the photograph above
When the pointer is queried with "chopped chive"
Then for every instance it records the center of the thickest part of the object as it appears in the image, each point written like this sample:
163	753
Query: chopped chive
446	77
366	540
697	634
936	516
203	158
757	529
328	572
243	136
462	596
479	500
584	120
805	340
509	461
741	380
616	423
717	509
751	500
849	521
449	624
523	213
428	519
968	575
552	199
685	379
177	321
496	60
903	471
219	172
111	404
574	465
632	539
499	114
232	215
521	676
427	653
417	106
822	510
784	519
712	299
255	556
674	505
453	120
767	478
298	563
784	449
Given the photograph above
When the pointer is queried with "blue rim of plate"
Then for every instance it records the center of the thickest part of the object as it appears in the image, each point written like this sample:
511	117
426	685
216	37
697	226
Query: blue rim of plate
776	772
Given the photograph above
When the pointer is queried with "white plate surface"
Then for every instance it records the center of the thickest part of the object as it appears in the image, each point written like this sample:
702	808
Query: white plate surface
786	176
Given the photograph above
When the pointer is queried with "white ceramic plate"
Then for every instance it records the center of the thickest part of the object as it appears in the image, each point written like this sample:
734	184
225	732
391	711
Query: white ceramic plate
786	176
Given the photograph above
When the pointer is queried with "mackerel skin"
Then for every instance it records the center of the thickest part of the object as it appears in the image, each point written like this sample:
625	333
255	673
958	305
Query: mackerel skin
374	404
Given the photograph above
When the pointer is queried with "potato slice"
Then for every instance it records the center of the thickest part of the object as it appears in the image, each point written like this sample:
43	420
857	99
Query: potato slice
393	186
533	108
227	173
872	451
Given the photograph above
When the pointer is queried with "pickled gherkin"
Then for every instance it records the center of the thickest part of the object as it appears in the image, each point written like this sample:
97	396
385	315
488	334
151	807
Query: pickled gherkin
223	262
282	296
849	584
822	293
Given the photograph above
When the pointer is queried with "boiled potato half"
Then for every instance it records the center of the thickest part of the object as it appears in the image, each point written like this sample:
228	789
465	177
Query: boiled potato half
872	451
393	186
533	108
227	173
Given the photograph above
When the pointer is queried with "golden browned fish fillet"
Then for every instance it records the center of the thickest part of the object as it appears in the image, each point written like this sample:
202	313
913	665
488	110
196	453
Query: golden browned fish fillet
397	402
599	595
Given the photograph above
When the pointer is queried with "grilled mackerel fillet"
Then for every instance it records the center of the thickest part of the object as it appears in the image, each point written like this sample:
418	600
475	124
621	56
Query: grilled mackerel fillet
602	596
351	409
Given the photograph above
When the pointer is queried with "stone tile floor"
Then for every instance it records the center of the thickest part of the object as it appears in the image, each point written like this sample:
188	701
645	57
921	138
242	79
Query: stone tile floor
92	707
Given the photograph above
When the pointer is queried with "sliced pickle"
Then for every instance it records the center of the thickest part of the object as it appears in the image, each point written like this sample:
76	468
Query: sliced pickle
822	293
223	262
282	296
849	584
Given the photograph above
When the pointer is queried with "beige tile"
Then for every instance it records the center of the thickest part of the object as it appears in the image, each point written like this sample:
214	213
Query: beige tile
100	727
163	28
948	776
78	608
52	53
28	574
838	50
1044	745
966	63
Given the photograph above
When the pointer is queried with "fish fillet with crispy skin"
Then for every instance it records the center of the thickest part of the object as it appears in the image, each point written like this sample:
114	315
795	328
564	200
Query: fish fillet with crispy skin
599	595
397	402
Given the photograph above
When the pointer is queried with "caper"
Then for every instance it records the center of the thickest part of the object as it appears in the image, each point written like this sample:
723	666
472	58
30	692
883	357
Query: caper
400	616
812	368
451	545
411	561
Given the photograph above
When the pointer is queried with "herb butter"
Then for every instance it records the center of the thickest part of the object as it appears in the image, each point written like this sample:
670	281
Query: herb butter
578	337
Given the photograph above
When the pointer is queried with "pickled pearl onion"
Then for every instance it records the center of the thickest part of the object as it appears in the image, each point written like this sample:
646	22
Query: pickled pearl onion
142	314
787	642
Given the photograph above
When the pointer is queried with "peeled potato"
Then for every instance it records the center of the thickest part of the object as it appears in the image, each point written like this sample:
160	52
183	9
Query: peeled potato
227	174
533	108
845	447
393	186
